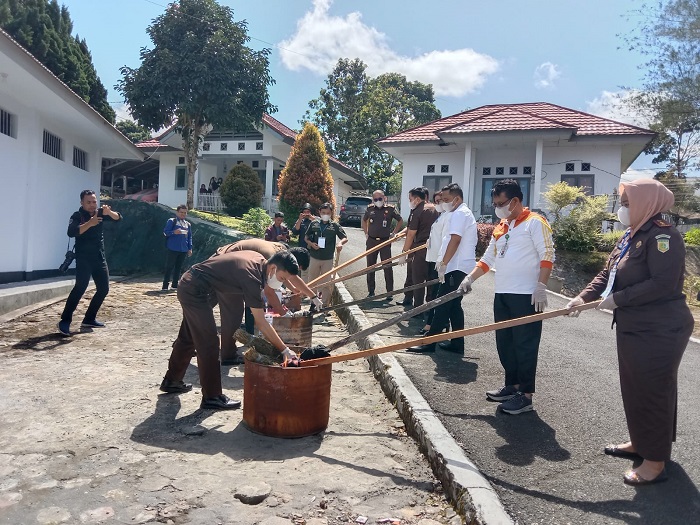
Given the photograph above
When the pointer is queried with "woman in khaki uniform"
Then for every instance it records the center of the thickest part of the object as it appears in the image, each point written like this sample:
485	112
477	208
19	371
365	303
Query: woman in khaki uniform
642	284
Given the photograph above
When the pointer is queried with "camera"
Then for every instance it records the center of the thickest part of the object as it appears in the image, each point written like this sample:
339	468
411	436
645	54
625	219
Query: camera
70	256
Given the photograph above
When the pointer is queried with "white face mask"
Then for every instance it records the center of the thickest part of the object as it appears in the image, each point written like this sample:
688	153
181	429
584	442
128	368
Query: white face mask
445	207
449	206
412	204
623	215
273	282
502	212
325	218
379	203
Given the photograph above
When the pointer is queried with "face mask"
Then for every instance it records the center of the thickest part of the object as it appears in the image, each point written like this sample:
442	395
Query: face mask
445	207
412	205
502	212
623	215
379	203
325	218
273	282
449	206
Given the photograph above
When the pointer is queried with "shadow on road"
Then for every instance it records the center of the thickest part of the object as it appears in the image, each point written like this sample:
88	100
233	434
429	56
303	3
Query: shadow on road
42	343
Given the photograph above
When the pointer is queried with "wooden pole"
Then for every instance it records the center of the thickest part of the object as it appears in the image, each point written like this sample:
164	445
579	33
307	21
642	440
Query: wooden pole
449	335
380	296
357	258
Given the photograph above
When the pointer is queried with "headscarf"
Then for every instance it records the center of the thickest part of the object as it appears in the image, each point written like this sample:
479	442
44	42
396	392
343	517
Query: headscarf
647	198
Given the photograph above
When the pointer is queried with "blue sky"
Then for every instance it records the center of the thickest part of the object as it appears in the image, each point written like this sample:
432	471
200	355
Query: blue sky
473	52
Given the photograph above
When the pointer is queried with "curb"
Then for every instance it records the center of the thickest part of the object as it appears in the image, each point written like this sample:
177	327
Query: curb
470	492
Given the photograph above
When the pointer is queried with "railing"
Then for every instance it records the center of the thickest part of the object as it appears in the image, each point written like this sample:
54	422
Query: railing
209	202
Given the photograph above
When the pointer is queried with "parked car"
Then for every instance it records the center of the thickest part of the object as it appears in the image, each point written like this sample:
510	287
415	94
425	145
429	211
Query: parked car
354	209
147	195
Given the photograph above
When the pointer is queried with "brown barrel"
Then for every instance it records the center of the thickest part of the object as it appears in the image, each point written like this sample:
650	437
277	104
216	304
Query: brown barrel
286	402
294	331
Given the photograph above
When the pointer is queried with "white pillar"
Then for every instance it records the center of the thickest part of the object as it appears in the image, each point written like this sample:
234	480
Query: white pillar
269	176
467	183
537	190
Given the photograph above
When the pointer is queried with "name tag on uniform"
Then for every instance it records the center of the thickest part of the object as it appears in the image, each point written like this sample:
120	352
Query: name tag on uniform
384	223
321	242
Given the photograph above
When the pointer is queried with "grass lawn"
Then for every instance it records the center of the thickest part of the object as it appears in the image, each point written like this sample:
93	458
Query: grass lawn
224	220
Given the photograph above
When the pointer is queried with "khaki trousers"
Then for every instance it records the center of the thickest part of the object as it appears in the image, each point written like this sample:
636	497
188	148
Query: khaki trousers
318	267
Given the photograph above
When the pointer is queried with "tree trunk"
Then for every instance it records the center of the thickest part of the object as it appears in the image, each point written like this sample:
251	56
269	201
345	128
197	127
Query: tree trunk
190	145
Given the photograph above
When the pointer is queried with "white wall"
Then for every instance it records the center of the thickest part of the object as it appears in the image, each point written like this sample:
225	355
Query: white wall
415	168
167	194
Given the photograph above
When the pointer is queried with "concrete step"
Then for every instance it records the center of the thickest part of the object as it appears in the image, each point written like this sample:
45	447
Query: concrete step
17	296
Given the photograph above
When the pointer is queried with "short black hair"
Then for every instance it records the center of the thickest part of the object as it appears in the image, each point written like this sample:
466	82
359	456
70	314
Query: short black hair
279	214
417	192
326	205
86	192
427	193
508	186
182	207
302	256
284	260
453	189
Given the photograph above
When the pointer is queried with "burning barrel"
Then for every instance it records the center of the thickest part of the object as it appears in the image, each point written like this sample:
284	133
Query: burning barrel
286	402
294	331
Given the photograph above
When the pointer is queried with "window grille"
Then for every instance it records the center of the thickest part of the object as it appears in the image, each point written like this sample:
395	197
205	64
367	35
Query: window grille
499	171
431	168
486	171
80	159
7	123
445	168
513	170
53	145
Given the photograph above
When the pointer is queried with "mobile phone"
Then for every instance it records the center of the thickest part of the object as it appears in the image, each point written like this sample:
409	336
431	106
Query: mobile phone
100	212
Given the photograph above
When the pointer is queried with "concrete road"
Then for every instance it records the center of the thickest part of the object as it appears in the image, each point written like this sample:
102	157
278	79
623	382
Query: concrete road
548	465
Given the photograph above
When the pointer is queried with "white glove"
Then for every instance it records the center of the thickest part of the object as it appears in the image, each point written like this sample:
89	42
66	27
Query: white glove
576	301
288	354
392	235
366	235
401	260
441	269
607	304
539	297
466	285
300	313
288	313
317	302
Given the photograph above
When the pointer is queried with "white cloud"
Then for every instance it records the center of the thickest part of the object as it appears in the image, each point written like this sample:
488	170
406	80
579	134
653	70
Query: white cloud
614	105
321	40
122	111
634	174
545	75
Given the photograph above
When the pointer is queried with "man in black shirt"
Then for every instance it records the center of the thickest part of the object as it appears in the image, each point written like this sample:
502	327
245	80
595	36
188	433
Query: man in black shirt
86	226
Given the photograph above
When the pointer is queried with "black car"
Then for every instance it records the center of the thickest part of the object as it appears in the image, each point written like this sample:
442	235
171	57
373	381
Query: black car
354	209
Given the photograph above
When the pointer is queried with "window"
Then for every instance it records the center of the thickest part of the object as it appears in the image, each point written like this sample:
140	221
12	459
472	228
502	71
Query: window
80	158
241	146
512	170
569	166
499	171
223	146
206	146
181	160
586	182
53	145
256	163
181	178
527	170
431	168
445	168
585	166
258	146
436	183
487	186
251	134
7	124
486	171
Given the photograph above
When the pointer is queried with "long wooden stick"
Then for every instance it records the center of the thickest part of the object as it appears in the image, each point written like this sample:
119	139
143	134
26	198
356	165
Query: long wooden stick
373	268
380	296
358	257
449	335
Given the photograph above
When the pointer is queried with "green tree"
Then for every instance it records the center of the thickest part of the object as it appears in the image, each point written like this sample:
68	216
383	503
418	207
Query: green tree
241	190
353	111
134	132
306	176
44	29
199	74
685	200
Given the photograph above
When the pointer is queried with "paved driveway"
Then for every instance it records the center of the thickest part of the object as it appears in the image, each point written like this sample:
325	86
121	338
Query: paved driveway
548	465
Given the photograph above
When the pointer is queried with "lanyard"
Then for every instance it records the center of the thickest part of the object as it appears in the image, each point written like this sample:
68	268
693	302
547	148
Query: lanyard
624	246
322	228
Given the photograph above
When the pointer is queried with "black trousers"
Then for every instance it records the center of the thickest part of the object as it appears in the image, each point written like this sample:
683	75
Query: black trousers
173	265
518	346
94	266
450	312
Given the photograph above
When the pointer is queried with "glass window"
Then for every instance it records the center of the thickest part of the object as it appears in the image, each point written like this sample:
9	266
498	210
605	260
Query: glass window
53	145
487	186
181	178
586	182
436	183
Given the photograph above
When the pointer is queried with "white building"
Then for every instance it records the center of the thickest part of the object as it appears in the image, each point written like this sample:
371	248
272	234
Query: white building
265	150
537	144
51	144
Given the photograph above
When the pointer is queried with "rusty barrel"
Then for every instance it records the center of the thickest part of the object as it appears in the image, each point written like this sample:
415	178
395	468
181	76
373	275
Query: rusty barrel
294	331
286	402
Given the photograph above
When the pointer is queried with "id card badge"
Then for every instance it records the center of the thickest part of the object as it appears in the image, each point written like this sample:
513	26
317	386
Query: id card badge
502	251
384	223
611	282
321	242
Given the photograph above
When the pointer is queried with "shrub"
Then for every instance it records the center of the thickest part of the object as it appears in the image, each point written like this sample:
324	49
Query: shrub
241	190
608	240
692	237
484	233
255	222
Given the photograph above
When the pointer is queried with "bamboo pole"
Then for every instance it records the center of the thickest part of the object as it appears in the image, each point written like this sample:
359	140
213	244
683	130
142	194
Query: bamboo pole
357	258
380	296
449	335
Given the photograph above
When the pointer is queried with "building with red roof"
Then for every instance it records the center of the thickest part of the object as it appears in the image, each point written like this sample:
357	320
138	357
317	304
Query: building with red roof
537	144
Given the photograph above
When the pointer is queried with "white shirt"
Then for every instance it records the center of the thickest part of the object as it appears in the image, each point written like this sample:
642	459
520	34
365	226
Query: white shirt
437	232
460	222
518	249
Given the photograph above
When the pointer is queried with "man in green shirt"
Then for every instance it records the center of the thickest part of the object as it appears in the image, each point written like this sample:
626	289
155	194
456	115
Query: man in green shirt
321	241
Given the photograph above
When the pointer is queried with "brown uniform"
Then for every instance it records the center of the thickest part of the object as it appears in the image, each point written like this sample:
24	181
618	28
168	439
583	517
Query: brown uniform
378	230
420	220
240	276
232	308
653	325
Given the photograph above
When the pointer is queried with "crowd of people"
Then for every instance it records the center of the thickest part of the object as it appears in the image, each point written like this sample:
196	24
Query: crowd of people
642	283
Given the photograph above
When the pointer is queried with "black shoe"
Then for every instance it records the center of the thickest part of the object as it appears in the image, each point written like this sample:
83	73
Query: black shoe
370	294
423	331
92	324
449	346
164	288
174	286
221	402
614	450
175	387
64	327
422	349
405	302
389	298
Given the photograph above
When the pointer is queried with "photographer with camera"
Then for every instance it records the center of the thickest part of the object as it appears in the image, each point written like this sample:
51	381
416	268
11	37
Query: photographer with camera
85	226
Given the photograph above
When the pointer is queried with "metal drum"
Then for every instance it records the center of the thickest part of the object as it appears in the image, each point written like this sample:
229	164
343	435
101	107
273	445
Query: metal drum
286	402
294	331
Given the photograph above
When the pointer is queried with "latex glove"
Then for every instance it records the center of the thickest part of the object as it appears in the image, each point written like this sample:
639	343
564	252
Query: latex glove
366	235
289	354
300	313
539	297
392	235
401	260
441	269
289	313
576	301
607	304
466	285
317	302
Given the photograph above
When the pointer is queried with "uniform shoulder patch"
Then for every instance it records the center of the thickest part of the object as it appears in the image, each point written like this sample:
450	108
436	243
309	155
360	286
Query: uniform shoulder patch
663	242
662	224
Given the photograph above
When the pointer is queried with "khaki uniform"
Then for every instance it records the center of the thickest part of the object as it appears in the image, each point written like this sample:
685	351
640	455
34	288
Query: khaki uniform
653	326
421	221
379	229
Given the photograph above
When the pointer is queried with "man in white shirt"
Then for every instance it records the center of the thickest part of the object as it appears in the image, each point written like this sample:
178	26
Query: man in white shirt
522	250
455	259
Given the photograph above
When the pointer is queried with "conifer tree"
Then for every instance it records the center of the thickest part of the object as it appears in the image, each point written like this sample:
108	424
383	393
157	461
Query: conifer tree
307	175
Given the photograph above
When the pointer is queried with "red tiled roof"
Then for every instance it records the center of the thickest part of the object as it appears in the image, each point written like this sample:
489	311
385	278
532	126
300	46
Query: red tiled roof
516	117
279	127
